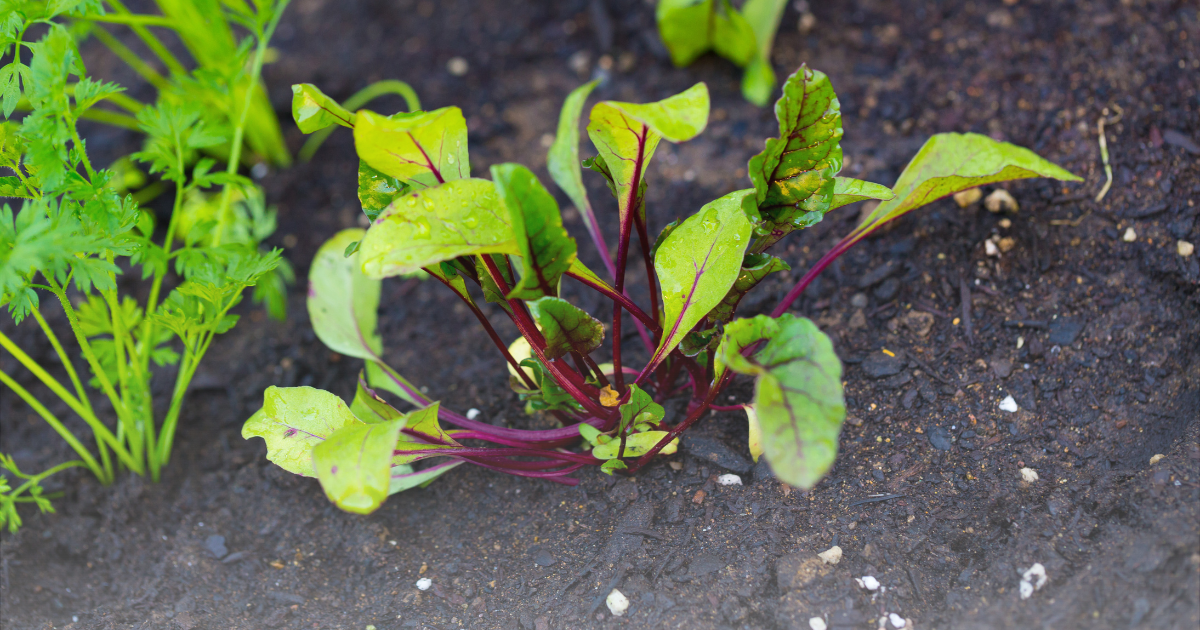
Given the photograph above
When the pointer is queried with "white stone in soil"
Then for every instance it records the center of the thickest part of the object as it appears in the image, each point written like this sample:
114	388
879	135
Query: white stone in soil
473	413
423	584
897	620
1029	475
729	480
617	603
833	555
868	582
1009	404
1033	579
816	623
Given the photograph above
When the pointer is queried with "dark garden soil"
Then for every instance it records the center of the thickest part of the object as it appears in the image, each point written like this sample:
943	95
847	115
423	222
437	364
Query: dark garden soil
1096	338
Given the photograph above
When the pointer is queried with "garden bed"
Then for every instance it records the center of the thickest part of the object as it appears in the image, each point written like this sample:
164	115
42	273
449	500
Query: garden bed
1094	336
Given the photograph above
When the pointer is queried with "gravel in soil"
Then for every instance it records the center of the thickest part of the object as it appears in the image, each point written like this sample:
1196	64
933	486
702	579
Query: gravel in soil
1095	339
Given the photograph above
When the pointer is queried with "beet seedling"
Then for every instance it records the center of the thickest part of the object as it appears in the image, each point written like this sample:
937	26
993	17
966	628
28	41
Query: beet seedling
503	240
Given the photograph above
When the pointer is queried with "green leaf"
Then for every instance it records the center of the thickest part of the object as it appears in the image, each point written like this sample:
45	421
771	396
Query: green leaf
421	149
689	28
343	303
404	479
314	111
546	249
636	445
293	421
566	327
626	135
354	464
641	409
433	225
698	263
847	190
794	175
563	158
381	376
758	81
613	464
754	268
369	407
798	392
491	290
449	276
425	423
953	162
377	191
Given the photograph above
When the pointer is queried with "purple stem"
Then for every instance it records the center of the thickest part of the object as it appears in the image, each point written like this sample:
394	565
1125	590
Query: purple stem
839	249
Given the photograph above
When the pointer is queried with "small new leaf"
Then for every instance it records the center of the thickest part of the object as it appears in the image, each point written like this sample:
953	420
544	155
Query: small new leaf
293	421
354	464
421	149
566	327
314	111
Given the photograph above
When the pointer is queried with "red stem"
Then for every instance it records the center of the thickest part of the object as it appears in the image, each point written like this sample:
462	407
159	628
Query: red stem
630	208
639	220
839	249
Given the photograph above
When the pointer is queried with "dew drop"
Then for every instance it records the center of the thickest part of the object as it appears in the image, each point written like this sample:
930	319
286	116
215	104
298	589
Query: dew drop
470	222
710	221
450	159
420	228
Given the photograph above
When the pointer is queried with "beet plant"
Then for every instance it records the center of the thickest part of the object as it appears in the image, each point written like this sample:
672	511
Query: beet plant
502	241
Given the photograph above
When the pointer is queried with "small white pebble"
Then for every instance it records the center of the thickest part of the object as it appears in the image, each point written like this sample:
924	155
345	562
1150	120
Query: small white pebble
1033	579
868	582
1026	589
473	413
423	584
1185	248
729	480
817	623
1009	404
1029	475
990	249
617	603
833	555
967	197
897	620
1130	235
457	66
1157	458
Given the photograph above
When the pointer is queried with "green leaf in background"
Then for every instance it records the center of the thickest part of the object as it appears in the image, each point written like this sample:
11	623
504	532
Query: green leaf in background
377	191
689	28
563	159
794	175
754	268
354	464
847	190
293	421
314	111
566	327
546	249
459	218
758	81
953	162
421	149
698	263
343	303
797	395
381	376
641	409
626	135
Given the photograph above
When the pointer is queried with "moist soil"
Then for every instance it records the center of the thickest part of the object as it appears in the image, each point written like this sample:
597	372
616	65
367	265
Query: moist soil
1089	319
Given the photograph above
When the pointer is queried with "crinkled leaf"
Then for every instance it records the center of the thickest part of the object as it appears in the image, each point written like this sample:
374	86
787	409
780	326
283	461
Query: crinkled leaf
293	421
563	158
377	191
794	175
433	225
343	303
421	149
699	341
313	110
626	135
566	327
698	263
546	249
847	190
798	392
755	268
952	162
641	409
354	464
